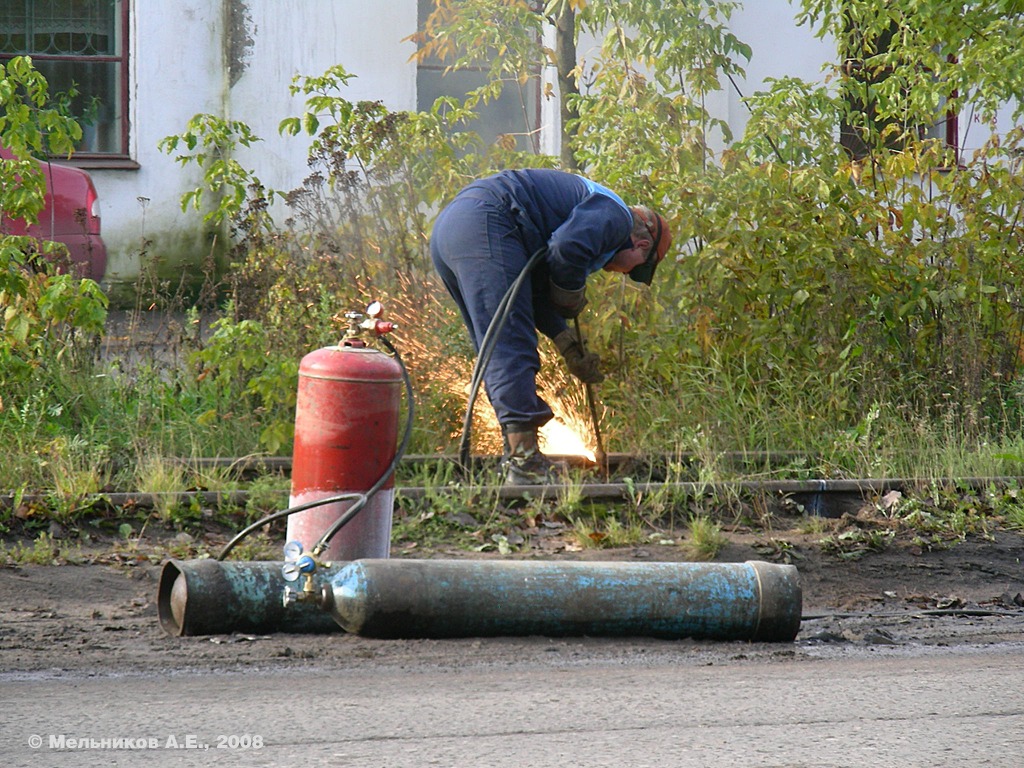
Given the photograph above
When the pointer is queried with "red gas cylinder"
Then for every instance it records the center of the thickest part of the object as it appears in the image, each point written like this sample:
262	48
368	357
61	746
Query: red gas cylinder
346	428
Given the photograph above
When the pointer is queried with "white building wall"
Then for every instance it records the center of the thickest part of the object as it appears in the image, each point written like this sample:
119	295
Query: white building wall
780	49
170	81
181	64
237	58
364	37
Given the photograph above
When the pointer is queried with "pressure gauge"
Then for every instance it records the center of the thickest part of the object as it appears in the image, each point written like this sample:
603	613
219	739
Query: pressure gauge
292	550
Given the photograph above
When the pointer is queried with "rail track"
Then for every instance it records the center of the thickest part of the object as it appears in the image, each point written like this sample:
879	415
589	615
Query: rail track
822	497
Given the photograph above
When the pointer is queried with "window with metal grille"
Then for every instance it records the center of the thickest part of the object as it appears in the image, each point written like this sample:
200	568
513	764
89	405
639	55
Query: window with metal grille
81	48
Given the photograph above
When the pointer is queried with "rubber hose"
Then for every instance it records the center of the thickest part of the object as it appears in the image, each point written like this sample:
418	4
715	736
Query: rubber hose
487	350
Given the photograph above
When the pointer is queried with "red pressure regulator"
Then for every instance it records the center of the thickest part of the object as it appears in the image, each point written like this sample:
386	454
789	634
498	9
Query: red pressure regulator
359	323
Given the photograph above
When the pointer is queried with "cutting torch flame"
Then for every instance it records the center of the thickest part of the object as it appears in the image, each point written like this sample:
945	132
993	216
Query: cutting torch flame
557	439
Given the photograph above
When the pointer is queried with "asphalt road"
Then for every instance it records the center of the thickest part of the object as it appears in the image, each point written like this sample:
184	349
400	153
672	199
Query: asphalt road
953	707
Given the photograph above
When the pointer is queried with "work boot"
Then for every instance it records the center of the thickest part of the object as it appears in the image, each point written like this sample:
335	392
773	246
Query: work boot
524	464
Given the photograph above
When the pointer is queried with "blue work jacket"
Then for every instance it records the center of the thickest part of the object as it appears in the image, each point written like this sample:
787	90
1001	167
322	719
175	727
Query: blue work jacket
582	224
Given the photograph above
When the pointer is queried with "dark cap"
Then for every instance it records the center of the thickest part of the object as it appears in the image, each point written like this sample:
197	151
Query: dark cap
662	241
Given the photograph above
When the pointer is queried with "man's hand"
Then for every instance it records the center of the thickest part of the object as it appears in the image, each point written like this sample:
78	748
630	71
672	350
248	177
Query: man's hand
568	303
584	365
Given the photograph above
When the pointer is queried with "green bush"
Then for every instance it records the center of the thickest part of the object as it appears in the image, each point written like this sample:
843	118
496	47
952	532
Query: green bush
860	309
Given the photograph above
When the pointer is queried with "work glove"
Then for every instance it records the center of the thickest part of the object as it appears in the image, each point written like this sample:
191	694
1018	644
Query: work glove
584	365
567	303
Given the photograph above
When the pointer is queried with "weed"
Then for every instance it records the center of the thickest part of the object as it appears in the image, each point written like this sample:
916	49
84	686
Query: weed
181	512
258	546
814	525
419	522
570	499
761	508
155	474
267	494
73	466
164	479
606	530
706	539
1015	518
650	507
43	551
185	547
854	543
709	458
778	550
948	512
504	544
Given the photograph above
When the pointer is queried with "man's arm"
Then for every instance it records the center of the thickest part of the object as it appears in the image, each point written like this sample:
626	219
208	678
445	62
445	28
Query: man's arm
596	229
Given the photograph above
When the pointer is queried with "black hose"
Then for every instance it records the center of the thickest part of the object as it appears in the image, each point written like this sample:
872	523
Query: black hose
486	350
280	514
361	498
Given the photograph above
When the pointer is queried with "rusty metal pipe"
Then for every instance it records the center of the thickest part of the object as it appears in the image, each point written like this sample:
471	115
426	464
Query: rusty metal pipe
213	597
458	598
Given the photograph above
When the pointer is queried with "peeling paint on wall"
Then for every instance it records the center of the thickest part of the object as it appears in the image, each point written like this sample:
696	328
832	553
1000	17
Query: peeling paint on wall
238	41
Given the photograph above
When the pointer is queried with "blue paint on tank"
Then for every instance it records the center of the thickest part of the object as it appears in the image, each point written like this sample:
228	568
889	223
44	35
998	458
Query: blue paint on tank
455	598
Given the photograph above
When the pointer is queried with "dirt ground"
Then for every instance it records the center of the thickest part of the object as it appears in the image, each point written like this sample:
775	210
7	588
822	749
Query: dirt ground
99	616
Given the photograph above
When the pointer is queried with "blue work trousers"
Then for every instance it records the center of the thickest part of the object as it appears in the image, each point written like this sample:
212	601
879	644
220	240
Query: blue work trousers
479	252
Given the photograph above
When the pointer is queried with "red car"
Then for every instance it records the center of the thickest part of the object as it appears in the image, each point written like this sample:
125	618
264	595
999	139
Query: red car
71	216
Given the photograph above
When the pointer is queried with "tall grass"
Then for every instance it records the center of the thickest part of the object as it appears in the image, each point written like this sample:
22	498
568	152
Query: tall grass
783	330
85	422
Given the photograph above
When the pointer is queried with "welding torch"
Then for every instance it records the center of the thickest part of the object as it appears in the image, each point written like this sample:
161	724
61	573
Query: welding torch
599	454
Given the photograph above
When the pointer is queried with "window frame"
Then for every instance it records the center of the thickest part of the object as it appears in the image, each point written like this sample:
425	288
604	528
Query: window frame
528	132
121	158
